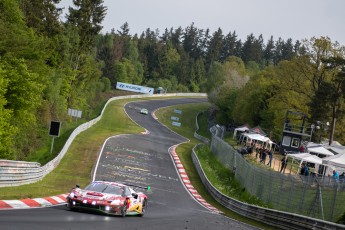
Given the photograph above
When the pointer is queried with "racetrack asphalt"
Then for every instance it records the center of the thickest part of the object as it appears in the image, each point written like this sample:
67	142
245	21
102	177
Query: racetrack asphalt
144	160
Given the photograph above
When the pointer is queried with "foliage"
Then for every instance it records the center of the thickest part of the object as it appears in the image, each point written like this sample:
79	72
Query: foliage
7	130
87	17
48	66
311	83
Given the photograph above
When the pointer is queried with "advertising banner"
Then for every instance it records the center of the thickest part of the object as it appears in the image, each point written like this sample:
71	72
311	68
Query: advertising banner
134	88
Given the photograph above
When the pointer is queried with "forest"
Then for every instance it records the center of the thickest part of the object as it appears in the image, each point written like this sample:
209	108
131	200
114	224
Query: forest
48	65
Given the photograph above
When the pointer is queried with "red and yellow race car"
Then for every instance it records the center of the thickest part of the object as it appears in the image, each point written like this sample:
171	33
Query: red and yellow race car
109	198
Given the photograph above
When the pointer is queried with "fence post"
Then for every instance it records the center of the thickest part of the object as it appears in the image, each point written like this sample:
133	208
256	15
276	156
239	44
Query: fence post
292	189
335	188
301	203
253	180
270	188
281	188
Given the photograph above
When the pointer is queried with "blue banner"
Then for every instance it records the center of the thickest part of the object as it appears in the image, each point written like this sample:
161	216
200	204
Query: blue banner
134	88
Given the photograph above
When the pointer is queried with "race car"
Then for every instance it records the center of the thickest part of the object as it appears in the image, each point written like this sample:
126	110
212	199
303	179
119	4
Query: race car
144	111
108	197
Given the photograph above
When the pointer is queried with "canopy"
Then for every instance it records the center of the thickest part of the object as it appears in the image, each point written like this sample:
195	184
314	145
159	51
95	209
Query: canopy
255	136
258	130
336	160
242	128
259	137
306	157
318	149
337	150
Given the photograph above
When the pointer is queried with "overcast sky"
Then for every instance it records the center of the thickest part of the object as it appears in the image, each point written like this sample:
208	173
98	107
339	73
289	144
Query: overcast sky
296	19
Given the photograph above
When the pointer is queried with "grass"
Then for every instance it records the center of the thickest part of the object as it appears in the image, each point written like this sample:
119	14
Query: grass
203	127
77	164
41	155
223	179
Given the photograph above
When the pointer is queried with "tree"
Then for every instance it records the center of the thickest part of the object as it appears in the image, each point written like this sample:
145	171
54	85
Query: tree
150	50
252	49
198	77
184	69
288	50
176	38
192	38
168	60
328	100
126	71
269	52
23	96
87	17
43	16
7	129
310	83
278	52
215	47
229	46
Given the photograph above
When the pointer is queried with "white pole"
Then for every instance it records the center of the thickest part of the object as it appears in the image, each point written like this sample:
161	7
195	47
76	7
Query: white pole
51	148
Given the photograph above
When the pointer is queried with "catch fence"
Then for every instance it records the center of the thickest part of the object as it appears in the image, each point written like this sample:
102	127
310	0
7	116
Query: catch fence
318	197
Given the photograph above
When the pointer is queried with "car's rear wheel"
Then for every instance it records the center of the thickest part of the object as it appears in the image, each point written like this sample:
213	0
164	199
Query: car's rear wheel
143	210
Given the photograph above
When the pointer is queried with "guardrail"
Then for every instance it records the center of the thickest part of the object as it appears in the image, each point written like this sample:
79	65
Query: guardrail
196	135
272	217
15	173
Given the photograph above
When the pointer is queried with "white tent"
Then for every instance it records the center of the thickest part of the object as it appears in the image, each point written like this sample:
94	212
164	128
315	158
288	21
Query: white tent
337	150
258	137
307	157
240	129
335	161
319	150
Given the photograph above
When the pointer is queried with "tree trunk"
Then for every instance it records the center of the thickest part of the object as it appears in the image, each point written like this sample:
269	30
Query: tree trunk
334	111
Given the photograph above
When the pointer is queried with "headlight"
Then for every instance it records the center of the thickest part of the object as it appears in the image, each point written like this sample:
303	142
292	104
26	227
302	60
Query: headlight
93	202
107	208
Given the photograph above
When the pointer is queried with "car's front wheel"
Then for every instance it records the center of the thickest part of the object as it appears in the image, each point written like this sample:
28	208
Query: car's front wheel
143	210
70	207
124	209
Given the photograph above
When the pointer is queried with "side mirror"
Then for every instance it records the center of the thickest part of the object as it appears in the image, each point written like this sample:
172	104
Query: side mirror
135	195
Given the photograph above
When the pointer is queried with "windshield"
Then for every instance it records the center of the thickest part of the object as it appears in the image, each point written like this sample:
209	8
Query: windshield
105	188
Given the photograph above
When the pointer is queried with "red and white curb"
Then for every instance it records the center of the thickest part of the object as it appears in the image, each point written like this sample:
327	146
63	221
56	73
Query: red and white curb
33	203
188	184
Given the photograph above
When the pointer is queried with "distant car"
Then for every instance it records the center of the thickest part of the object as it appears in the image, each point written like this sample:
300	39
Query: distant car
144	111
108	197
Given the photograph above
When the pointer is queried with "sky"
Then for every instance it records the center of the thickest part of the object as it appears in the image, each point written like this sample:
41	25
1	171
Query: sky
296	19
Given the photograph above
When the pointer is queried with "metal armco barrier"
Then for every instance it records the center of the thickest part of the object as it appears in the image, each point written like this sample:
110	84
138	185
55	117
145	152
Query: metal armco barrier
272	217
15	173
196	135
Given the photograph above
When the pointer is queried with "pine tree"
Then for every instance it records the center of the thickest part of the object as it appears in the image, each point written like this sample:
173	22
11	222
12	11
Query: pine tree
215	47
269	52
87	17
